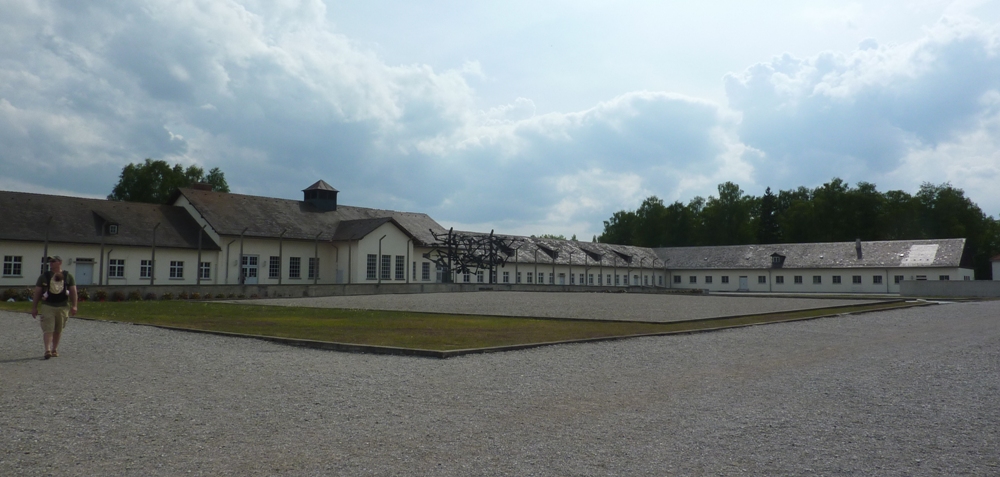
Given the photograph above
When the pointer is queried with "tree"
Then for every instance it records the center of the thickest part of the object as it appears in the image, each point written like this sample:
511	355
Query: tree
768	230
154	181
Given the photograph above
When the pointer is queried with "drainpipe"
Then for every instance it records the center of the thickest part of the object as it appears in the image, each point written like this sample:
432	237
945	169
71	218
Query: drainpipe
316	258
152	258
100	271
570	268
536	264
227	259
338	259
408	241
109	260
641	277
516	271
281	254
379	271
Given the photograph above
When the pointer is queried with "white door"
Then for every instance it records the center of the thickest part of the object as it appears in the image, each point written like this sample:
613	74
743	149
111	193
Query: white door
84	273
744	286
249	269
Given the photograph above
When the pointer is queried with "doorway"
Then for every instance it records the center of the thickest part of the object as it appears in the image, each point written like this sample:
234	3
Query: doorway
84	273
744	284
248	272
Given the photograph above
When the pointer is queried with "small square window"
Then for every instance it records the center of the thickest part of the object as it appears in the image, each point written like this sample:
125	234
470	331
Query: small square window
779	279
725	279
761	278
692	279
677	278
817	279
836	279
877	279
897	279
797	279
708	279
856	279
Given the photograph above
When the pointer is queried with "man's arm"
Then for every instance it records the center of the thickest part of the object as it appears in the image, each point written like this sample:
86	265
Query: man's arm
37	295
72	300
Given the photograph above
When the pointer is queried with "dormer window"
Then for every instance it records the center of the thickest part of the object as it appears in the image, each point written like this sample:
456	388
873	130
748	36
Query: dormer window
777	260
113	229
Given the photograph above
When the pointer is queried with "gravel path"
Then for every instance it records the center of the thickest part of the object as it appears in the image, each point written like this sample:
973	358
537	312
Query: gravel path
907	392
598	306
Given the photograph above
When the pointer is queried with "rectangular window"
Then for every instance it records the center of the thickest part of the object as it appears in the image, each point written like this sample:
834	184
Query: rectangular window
313	271
295	267
607	279
590	279
274	267
677	278
817	279
708	280
618	280
572	281
425	271
692	279
176	269
371	270
12	265
518	277
836	279
116	268
877	279
635	279
798	279
400	267
582	278
506	277
552	279
479	276
386	267
780	279
944	277
530	275
921	277
205	270
897	279
465	277
856	279
725	279
761	278
541	278
145	268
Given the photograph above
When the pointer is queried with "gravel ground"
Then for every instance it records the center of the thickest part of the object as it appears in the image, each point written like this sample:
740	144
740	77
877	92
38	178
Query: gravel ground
599	306
907	392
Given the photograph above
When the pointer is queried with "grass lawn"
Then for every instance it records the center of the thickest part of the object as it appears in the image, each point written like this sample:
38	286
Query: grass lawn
428	331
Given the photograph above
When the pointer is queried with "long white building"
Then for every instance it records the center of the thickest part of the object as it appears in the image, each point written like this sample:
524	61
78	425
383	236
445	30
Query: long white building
213	238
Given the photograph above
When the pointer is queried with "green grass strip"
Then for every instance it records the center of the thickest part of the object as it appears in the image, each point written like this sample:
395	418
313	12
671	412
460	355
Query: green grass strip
411	330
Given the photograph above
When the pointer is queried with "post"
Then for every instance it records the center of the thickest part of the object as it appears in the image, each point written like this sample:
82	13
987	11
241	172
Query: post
201	232
242	278
281	255
316	258
379	271
152	258
227	259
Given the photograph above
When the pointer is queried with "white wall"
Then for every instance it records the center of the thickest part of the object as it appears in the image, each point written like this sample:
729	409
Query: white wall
872	280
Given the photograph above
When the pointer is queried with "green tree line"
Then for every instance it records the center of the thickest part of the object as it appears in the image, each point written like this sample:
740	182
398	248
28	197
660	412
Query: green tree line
832	212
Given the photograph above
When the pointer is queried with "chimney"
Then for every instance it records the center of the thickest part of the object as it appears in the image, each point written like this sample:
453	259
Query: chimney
321	196
857	247
202	186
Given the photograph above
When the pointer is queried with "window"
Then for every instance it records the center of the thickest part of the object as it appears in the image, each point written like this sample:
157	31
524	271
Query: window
761	278
921	277
677	278
725	279
414	273
518	277
897	279
708	279
590	279
506	277
386	267
176	269
944	277
400	267
582	278
817	279
295	267
798	279
370	270
145	268
966	278
530	275
116	268
572	279
618	279
541	278
692	279
313	267
780	279
479	276
552	279
274	267
205	270
465	277
877	279
12	265
425	271
607	279
836	280
856	279
113	229
645	280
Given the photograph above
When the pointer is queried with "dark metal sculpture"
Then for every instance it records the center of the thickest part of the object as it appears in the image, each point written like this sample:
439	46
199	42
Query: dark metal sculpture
462	253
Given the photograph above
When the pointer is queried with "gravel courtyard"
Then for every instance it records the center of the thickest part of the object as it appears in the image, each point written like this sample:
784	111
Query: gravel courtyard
595	306
906	392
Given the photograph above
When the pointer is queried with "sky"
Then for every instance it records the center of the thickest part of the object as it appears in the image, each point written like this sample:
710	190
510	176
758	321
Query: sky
524	117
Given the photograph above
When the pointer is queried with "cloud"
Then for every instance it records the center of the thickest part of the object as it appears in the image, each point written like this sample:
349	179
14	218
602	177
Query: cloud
860	115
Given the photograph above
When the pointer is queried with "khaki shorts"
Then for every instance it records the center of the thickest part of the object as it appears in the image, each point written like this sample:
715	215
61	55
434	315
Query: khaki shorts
54	318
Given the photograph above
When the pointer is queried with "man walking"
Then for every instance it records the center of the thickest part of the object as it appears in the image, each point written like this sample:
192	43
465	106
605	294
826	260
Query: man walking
58	287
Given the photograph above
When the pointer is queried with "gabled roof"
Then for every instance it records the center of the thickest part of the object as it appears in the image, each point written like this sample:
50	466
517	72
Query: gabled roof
266	217
572	252
882	254
24	216
321	185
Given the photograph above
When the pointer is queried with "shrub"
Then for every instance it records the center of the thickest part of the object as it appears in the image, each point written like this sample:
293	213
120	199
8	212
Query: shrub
196	296
83	294
101	295
220	295
26	294
10	293
167	296
150	296
242	296
182	296
255	296
118	295
232	295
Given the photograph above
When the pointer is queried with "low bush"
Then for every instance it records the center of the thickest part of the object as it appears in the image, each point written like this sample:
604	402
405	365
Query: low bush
220	295
26	294
182	296
101	295
196	296
134	295
118	295
83	294
10	293
232	295
167	296
150	296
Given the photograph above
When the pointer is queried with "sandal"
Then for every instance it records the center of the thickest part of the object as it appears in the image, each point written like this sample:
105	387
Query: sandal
48	354
55	354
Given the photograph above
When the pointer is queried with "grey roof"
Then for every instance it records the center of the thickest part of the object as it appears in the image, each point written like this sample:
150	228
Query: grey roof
572	252
320	185
882	254
230	214
23	216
